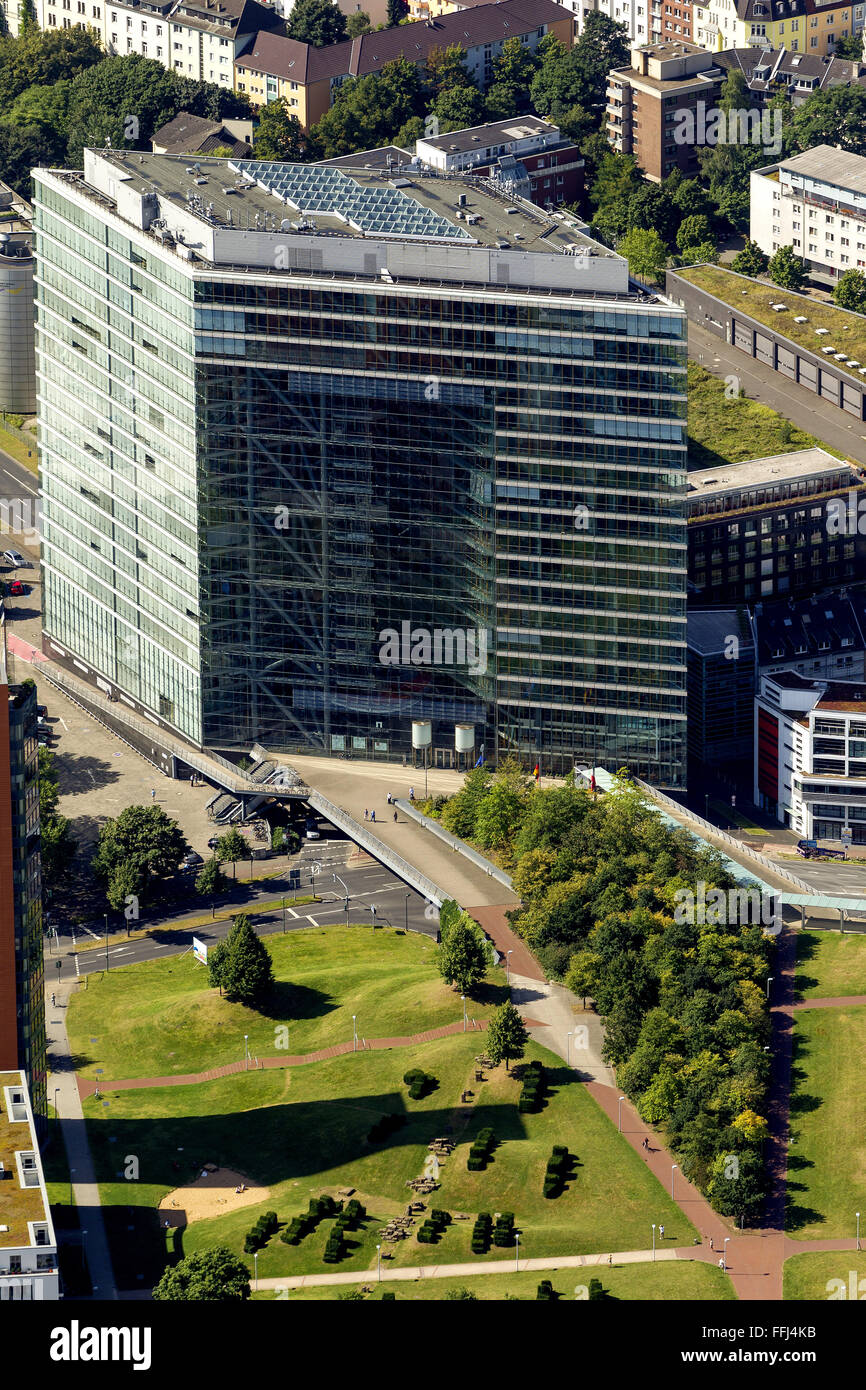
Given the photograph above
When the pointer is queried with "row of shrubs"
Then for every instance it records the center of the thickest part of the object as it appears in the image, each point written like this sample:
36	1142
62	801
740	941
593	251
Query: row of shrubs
558	1167
420	1083
319	1209
481	1233
533	1090
261	1232
347	1220
434	1226
481	1151
503	1231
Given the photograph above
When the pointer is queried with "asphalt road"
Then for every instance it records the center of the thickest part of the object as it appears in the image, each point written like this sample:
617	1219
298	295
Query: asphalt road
368	885
15	479
836	878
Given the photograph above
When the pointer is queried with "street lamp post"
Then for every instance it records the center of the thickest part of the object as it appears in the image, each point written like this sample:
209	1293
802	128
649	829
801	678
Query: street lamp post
858	1230
378	1263
107	965
725	1255
770	979
56	1116
517	1257
408	896
256	1267
284	916
246	1050
619	1114
654	1240
463	998
507	975
673	1170
337	879
354	1034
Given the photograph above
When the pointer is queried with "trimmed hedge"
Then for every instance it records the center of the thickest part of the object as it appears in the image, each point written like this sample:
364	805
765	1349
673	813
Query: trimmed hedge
533	1088
481	1233
420	1083
545	1291
481	1150
503	1231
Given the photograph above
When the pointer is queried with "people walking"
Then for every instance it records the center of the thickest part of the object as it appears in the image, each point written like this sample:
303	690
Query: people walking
366	814
152	793
52	1000
661	1232
645	1142
411	793
389	798
372	815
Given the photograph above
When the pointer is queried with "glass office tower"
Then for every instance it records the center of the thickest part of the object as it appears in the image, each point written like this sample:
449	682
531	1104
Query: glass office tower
308	481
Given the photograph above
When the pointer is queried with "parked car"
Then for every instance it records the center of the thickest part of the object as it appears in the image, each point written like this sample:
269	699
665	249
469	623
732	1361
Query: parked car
15	559
17	589
213	841
43	738
311	830
192	860
41	713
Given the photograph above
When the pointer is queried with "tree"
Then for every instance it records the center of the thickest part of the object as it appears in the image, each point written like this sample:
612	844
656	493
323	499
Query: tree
127	877
787	269
397	11
751	260
280	134
833	116
446	68
457	108
461	958
357	24
850	291
40	58
230	848
653	208
461	810
142	836
57	847
693	230
735	94
506	1035
23	148
513	71
214	1276
645	252
725	169
369	111
318	22
850	46
602	46
705	252
738	1184
243	969
616	183
27	17
210	879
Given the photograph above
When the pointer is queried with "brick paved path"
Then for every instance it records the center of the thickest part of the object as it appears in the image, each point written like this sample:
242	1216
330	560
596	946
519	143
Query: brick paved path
136	1083
843	1001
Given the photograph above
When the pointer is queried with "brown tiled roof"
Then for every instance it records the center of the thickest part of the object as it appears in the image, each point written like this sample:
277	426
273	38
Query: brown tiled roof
483	23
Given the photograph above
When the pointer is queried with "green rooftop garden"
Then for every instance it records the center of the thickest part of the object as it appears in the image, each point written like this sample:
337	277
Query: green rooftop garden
845	331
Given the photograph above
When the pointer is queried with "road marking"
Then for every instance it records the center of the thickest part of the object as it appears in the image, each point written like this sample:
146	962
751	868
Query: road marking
312	919
64	723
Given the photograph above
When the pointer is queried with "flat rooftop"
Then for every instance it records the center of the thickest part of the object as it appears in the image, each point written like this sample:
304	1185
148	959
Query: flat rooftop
362	203
802	463
18	1204
829	165
493	133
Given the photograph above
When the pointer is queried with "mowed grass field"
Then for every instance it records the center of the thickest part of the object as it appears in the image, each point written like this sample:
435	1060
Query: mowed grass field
162	1018
672	1281
825	1275
830	965
827	1149
303	1131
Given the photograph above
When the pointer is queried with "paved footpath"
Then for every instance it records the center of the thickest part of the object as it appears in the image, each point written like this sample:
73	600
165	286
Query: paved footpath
63	1093
840	1002
87	1087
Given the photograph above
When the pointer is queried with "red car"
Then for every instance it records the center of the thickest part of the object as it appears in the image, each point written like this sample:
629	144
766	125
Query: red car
16	588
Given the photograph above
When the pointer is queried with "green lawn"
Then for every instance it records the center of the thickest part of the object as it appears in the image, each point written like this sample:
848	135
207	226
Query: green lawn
669	1282
17	449
827	1151
161	1018
830	965
809	1276
303	1131
847	330
722	430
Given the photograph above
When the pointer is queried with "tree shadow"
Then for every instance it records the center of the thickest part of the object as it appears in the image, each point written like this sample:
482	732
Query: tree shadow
801	984
488	992
288	1002
79	773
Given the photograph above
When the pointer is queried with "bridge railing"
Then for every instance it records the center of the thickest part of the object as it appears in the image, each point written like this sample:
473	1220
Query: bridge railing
398	865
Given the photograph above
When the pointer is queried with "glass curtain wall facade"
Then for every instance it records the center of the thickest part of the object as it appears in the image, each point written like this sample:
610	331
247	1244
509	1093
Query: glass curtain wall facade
117	419
253	479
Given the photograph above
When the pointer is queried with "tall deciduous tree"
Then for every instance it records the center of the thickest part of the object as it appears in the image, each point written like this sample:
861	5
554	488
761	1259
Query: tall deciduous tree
506	1035
513	71
279	134
319	22
143	836
209	1276
850	291
751	260
645	252
787	269
461	958
230	848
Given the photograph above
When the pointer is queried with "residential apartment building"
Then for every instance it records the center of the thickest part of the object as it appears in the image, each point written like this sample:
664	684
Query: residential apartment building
22	1003
272	66
647	21
805	26
646	102
815	202
289	411
524	156
768	71
760	529
810	755
28	1245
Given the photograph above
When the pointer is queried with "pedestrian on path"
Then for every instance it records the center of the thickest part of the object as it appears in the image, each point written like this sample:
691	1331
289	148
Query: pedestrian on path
52	999
152	793
712	1247
389	798
722	1262
372	815
645	1142
661	1232
366	814
411	793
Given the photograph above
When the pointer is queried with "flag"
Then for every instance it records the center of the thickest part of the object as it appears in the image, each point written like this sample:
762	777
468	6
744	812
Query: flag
536	772
592	783
481	757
